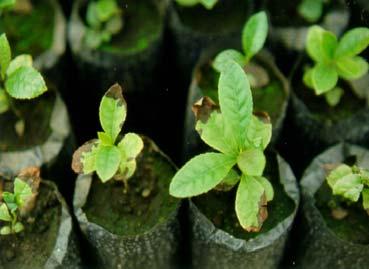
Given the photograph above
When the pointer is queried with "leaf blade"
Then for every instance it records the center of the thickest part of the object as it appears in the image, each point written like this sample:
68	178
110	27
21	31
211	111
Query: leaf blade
107	162
353	43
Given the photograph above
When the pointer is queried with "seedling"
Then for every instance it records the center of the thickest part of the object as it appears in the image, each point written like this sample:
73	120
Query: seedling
103	155
208	4
104	19
350	183
20	202
254	34
19	80
334	59
311	10
240	137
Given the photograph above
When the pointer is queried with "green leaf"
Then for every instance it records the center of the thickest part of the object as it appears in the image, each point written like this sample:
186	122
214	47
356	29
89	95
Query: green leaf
249	200
236	104
5	55
18	227
212	132
89	160
107	162
114	25
113	111
333	97
254	34
349	187
365	194
311	10
338	173
127	168
4	213
268	188
19	61
25	83
208	4
308	78
5	230
201	174
259	133
321	44
223	57
131	145
105	9
353	43
91	15
352	68
4	101
325	78
187	3
93	38
22	191
10	201
252	162
105	139
7	3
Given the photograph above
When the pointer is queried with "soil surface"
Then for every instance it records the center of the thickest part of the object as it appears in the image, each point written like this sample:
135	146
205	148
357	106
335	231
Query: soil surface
354	227
146	204
219	207
221	19
30	33
32	247
36	114
268	99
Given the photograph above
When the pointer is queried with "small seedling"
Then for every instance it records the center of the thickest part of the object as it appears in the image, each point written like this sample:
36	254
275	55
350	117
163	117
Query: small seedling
254	34
334	59
311	10
11	207
104	19
103	155
241	138
350	183
208	4
19	80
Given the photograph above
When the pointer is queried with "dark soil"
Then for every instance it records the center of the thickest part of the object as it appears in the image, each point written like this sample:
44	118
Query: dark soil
31	33
146	204
32	247
219	207
36	114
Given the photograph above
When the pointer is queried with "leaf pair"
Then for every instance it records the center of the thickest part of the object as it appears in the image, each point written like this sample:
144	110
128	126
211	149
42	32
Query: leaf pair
241	138
335	59
20	79
13	202
208	4
104	18
103	155
350	183
254	35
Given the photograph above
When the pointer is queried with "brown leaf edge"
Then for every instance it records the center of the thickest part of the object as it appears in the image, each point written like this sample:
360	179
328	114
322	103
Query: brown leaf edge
262	215
77	165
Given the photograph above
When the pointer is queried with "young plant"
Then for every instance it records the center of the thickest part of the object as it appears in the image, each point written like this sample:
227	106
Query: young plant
350	183
208	4
334	59
104	19
10	209
254	34
19	80
311	10
240	137
109	158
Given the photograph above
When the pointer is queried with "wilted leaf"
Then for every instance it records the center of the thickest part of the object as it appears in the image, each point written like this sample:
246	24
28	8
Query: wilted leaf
77	161
259	132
